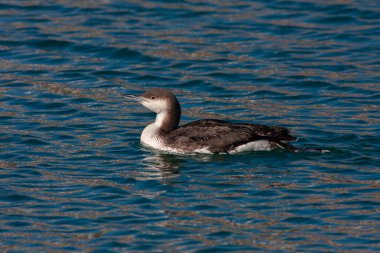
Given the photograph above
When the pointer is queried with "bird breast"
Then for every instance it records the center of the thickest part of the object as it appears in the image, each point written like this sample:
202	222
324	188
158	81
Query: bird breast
150	137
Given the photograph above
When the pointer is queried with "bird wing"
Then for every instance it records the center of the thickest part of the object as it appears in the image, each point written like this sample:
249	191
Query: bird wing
221	136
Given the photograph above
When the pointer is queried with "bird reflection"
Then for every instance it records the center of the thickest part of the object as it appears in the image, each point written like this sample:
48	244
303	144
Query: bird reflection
161	166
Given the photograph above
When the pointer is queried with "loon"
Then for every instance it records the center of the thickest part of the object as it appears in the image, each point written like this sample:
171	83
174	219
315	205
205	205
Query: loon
209	136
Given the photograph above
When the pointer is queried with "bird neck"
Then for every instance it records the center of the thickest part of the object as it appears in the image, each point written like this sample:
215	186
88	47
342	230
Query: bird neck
168	120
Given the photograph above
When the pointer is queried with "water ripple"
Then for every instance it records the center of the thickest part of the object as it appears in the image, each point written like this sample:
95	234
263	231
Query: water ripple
75	178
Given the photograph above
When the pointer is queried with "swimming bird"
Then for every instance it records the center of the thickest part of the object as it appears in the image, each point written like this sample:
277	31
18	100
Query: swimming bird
210	136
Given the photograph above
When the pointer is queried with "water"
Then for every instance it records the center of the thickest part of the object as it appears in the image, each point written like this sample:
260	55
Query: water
74	178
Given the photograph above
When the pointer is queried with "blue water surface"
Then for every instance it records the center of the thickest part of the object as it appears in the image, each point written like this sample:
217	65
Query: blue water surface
74	177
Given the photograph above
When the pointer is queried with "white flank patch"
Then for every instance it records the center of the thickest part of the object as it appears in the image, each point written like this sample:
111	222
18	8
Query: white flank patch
204	150
261	145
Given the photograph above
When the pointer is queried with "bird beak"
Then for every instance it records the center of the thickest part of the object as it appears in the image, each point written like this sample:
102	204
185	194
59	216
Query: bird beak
133	97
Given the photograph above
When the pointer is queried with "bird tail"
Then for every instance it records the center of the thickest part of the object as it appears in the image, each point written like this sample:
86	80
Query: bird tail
292	148
287	146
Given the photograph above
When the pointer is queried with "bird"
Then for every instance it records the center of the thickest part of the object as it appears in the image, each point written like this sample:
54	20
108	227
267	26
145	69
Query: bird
207	136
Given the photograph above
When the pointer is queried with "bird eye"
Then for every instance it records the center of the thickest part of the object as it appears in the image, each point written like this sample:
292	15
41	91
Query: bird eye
153	97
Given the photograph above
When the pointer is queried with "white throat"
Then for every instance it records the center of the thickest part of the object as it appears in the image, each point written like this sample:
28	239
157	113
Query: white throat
160	119
150	136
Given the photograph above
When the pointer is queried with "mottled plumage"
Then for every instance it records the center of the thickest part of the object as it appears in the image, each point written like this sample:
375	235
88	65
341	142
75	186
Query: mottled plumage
223	137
